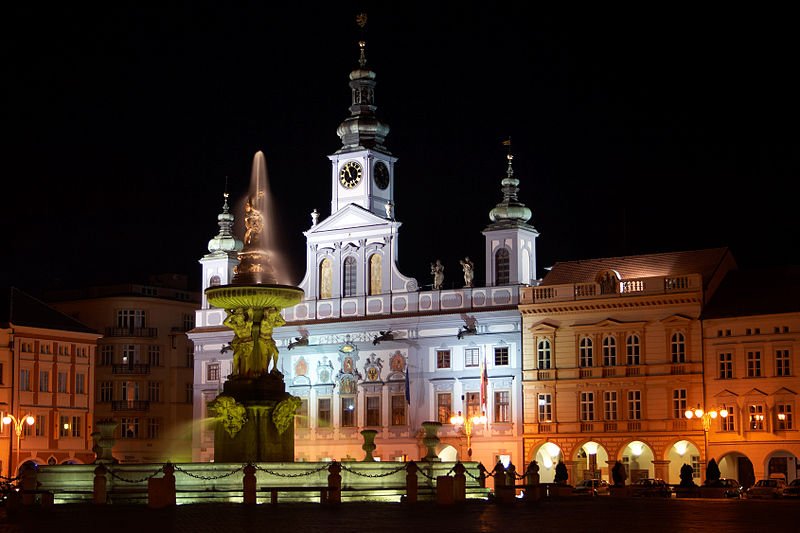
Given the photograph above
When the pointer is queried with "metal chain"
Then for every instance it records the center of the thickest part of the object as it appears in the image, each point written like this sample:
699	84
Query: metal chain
208	478
398	469
301	474
115	475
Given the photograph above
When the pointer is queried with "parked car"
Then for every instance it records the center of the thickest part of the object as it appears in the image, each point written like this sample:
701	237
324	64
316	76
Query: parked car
651	487
767	488
792	490
591	487
733	489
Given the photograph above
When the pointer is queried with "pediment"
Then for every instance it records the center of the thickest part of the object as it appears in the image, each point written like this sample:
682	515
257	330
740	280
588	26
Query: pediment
543	327
676	320
349	217
607	323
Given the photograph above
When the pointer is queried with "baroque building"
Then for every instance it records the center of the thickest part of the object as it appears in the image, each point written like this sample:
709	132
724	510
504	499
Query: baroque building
613	358
368	348
143	368
47	374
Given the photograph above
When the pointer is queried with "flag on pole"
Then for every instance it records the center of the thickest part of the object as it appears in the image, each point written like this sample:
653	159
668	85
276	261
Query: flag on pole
484	382
408	386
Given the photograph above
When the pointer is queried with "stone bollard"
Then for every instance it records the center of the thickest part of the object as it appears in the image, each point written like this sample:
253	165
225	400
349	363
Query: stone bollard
335	483
444	490
412	484
28	484
249	484
459	483
100	487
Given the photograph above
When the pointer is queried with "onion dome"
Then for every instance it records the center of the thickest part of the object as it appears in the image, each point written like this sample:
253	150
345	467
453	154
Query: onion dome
224	243
362	129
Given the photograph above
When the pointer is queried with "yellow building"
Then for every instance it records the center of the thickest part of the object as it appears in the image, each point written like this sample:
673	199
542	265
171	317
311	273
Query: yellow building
752	337
46	384
612	359
144	368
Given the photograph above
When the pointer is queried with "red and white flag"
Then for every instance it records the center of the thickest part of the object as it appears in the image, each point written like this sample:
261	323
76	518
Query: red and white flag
484	383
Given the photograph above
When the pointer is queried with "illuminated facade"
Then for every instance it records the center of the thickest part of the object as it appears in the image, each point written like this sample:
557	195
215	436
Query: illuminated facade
46	372
751	345
143	366
612	359
364	329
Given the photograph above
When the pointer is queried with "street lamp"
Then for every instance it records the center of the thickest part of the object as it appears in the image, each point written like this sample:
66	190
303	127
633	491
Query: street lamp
18	424
468	422
706	417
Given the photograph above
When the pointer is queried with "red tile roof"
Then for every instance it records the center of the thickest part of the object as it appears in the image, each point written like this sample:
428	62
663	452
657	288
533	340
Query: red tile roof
705	262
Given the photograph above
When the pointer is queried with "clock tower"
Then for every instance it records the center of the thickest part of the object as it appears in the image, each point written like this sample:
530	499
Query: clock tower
363	169
353	253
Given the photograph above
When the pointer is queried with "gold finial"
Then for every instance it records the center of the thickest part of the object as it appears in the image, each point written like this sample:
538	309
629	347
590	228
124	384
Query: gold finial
361	20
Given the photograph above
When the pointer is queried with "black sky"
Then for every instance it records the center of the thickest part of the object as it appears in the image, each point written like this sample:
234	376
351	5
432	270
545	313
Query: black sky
633	131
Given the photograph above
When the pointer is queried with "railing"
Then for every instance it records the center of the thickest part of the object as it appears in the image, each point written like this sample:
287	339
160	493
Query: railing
130	405
131	332
131	369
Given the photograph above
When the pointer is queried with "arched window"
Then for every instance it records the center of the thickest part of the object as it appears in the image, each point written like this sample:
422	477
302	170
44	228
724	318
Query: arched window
543	354
501	267
375	274
349	275
632	348
609	351
325	279
678	348
586	352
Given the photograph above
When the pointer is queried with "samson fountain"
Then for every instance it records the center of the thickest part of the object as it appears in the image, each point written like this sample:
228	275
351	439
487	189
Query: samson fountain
254	413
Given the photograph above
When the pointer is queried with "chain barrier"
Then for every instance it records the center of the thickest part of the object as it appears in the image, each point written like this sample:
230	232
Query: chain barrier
396	470
208	478
300	474
117	476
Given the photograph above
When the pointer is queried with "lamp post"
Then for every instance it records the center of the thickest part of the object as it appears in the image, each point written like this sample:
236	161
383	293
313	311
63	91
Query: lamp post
18	425
468	422
706	417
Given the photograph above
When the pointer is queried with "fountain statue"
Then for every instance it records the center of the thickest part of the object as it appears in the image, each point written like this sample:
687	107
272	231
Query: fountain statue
254	412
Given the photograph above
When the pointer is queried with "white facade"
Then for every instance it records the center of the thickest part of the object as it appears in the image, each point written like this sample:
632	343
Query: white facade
364	329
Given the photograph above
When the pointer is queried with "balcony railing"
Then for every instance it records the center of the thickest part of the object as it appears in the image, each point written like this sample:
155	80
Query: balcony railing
130	369
130	405
131	332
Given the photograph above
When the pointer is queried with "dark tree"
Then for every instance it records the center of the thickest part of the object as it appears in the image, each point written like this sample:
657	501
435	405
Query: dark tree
687	476
618	474
561	473
712	473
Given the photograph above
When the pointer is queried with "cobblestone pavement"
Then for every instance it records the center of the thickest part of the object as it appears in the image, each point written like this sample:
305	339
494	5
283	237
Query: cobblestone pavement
574	515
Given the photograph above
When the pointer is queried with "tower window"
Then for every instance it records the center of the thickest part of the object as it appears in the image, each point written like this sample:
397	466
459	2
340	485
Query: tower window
502	274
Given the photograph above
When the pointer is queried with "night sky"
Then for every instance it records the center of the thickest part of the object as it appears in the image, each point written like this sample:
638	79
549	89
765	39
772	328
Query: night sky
633	131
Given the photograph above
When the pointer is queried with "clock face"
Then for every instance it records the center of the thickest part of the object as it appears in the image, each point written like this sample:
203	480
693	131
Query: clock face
381	172
350	174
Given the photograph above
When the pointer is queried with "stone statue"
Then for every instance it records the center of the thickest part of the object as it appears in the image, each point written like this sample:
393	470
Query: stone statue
269	350
469	271
437	269
253	223
241	322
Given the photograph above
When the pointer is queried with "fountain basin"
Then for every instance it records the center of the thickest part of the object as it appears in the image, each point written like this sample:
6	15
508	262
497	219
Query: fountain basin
255	296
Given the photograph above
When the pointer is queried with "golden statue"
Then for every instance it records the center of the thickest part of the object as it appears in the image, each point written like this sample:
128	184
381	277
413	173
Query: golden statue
253	223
